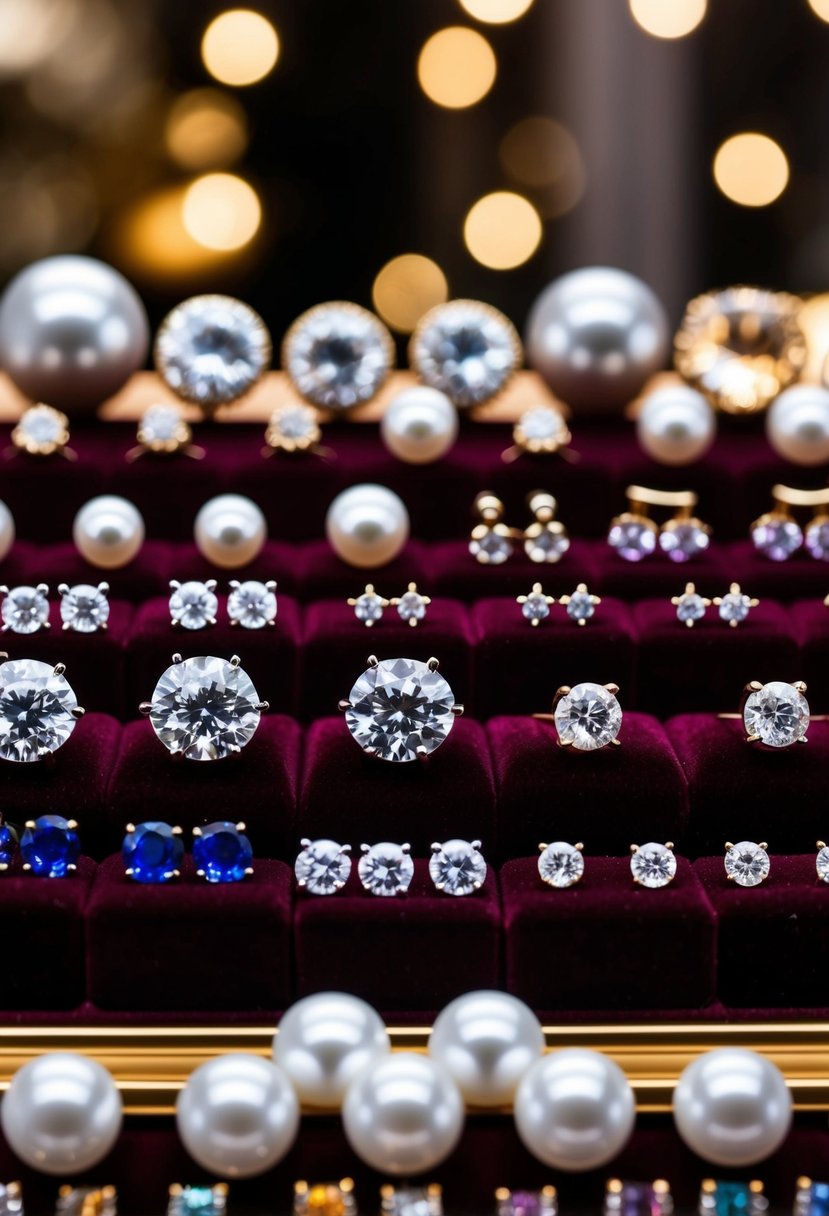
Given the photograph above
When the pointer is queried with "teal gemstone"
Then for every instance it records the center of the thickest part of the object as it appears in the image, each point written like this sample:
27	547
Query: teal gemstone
732	1199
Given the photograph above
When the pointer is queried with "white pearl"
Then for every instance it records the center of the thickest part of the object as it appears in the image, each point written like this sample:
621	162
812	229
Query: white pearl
237	1115
732	1107
108	531
676	425
367	526
324	1040
62	1113
574	1109
486	1041
420	425
230	531
7	532
403	1114
797	424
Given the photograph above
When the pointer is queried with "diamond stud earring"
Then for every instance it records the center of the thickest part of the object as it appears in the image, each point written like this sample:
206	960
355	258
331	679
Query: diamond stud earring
543	1202
193	605
536	606
385	868
457	867
560	864
491	542
222	852
747	863
152	852
337	355
164	431
774	715
50	846
465	349
400	709
546	540
653	865
411	605
690	606
43	431
38	709
322	867
411	1201
293	427
84	608
735	606
635	536
204	708
581	605
25	609
251	604
540	431
586	717
623	1197
369	606
822	861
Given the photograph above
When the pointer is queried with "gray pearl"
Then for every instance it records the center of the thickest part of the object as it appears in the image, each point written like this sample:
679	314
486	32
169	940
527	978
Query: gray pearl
72	332
596	335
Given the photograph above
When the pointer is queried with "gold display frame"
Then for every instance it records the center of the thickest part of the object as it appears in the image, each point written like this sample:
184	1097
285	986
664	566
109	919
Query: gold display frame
151	1063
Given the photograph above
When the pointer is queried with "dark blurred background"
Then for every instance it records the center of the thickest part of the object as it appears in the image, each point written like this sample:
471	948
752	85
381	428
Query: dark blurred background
298	151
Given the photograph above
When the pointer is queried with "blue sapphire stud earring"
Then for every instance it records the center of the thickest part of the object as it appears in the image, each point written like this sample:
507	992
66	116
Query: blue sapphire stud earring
152	852
222	852
50	846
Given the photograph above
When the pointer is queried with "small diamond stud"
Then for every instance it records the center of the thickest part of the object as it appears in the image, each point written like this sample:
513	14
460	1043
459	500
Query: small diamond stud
560	864
411	606
735	606
84	608
164	431
690	606
747	863
369	606
385	868
193	605
252	605
43	431
457	867
293	427
822	861
653	865
322	866
581	605
536	606
25	609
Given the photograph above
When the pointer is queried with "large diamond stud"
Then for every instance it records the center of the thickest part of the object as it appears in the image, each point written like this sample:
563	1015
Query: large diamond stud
25	609
690	606
633	536
50	846
84	608
42	431
385	868
536	606
411	1200
38	709
322	867
747	863
292	427
581	605
193	605
822	861
369	606
466	349
560	864
775	714
411	605
222	852
204	708
152	852
586	717
776	535
211	349
653	865
252	604
400	709
197	1200
337	355
457	867
684	539
735	606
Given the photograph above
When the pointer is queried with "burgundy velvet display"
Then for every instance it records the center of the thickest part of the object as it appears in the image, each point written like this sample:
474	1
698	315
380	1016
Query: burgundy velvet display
148	574
43	940
739	791
190	944
355	798
277	560
607	943
335	646
773	939
326	576
258	786
519	667
451	569
682	670
416	951
657	575
797	578
810	620
603	798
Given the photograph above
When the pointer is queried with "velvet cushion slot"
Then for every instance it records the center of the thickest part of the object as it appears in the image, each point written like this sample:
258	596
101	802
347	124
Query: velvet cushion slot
810	620
455	572
798	577
608	798
235	937
658	576
326	576
616	945
416	951
146	575
354	798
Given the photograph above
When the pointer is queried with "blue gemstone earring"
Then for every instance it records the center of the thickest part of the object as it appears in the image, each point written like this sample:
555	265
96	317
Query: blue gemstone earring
8	845
152	852
222	852
50	846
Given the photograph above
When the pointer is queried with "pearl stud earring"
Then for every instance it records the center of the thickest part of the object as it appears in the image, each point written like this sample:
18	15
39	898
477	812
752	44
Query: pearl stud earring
420	425
230	531
108	532
675	425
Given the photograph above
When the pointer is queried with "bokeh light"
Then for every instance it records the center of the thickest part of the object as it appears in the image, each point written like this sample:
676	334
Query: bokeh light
496	12
751	169
820	8
502	230
407	287
221	211
240	47
668	18
813	319
456	67
206	129
31	30
153	244
541	153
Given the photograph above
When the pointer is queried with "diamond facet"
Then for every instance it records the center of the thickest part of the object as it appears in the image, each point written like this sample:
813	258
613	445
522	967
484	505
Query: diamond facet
337	355
457	867
817	538
400	709
561	864
776	536
25	609
152	852
252	604
211	349
777	714
587	716
683	540
466	349
50	846
222	852
193	605
38	710
747	863
633	539
322	867
386	868
205	708
84	608
653	865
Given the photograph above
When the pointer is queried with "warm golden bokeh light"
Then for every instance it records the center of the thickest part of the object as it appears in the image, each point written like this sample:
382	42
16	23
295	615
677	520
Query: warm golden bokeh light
541	153
206	129
406	288
221	211
668	18
496	12
813	319
153	243
820	8
456	67
502	230
239	47
751	169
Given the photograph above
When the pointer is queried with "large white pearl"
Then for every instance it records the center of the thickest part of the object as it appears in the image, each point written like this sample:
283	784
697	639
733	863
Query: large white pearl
108	531
237	1115
574	1109
62	1113
367	525
486	1041
403	1114
596	335
420	425
72	331
7	531
676	425
732	1107
230	531
324	1041
797	424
